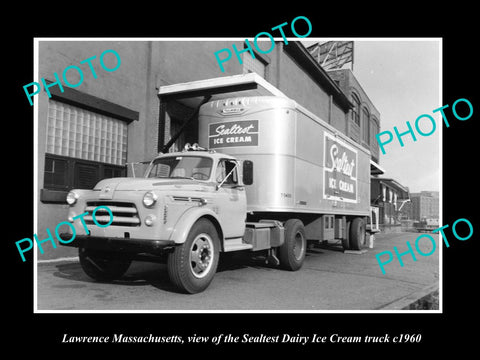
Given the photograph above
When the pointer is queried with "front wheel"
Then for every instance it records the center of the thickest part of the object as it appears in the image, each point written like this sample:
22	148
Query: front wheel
192	265
293	251
102	266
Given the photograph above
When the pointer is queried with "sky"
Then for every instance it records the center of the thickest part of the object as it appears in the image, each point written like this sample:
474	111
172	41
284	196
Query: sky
402	79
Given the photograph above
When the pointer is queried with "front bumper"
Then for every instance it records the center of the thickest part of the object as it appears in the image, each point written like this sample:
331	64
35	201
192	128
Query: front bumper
124	245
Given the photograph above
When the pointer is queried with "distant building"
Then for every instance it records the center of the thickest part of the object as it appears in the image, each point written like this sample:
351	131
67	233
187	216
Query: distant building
390	196
425	205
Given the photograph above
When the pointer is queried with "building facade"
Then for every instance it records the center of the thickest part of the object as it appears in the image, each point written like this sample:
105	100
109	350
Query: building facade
391	197
425	205
364	119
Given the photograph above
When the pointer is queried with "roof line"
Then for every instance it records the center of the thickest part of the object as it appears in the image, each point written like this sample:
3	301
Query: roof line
299	51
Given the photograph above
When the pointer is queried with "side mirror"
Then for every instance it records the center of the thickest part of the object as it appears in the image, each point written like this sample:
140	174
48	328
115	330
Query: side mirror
247	172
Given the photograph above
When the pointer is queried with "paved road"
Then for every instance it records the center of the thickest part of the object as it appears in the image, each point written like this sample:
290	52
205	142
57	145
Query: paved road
329	280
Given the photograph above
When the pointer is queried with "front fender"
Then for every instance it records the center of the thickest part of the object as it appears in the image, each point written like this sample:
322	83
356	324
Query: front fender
190	217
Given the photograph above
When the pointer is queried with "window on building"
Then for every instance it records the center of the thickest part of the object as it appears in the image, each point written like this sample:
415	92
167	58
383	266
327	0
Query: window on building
375	127
356	109
55	173
82	147
253	65
365	126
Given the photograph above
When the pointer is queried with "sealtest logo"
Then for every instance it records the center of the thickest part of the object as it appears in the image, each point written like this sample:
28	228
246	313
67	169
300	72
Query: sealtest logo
340	170
231	134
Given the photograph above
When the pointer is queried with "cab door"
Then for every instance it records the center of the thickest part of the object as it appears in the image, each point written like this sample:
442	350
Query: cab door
231	199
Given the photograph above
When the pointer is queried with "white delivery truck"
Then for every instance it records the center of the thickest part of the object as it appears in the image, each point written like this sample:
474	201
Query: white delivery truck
267	175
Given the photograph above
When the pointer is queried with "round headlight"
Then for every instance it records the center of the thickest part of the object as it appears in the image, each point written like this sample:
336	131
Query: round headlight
149	199
72	197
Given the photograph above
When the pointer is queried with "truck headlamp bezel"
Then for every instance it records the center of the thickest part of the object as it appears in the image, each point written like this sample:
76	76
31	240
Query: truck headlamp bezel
72	198
149	199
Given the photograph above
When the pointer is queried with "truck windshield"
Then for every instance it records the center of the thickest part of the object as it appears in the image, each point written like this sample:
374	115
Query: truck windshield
184	167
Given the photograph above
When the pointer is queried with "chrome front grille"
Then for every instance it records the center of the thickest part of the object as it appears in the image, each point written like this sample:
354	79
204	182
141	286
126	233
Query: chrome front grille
124	213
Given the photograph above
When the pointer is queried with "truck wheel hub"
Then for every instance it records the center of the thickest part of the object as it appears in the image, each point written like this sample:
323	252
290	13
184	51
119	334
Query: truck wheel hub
201	255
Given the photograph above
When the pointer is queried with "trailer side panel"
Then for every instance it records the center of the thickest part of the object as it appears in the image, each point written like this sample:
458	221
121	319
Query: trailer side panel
301	164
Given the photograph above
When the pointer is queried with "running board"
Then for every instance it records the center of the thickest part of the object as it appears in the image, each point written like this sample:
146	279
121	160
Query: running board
236	245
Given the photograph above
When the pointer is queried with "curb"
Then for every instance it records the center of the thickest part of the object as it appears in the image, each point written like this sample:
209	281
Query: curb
423	299
49	261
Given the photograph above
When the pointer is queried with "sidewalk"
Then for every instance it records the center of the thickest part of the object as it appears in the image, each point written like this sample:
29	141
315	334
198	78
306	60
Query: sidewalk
330	280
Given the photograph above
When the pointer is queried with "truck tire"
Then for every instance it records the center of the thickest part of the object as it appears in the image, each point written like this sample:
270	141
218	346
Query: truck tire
357	234
192	265
102	266
292	253
346	238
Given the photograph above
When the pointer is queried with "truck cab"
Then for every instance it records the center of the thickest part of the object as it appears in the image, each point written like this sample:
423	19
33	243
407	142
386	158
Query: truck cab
209	180
189	205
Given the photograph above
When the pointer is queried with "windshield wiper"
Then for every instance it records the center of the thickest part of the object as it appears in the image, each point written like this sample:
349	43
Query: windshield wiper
182	177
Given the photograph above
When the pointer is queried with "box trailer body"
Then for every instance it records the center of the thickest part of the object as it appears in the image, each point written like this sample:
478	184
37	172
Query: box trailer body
302	164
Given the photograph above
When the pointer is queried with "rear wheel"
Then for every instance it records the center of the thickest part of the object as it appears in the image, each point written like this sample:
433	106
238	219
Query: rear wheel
102	266
357	234
292	252
192	265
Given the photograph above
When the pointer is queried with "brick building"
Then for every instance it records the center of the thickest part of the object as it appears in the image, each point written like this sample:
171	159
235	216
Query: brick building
94	130
425	205
364	119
